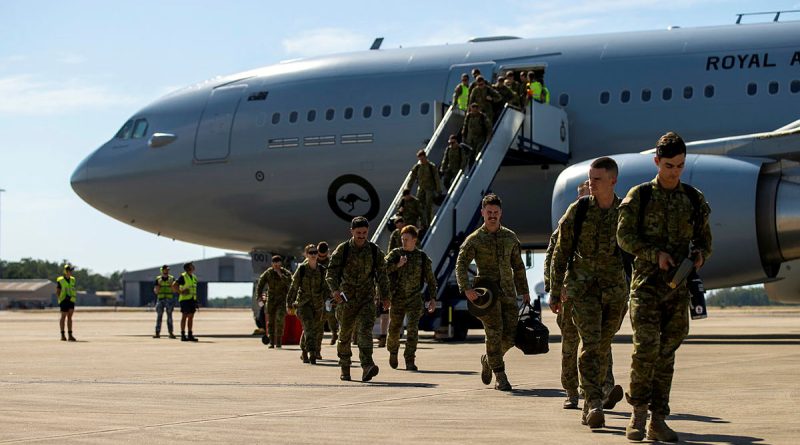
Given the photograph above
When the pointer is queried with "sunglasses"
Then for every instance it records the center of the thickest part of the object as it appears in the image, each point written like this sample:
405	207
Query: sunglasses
313	252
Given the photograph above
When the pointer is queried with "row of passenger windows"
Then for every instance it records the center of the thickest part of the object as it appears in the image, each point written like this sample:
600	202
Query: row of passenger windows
625	96
349	112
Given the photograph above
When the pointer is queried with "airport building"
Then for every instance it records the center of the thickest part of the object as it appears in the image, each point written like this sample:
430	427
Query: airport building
26	293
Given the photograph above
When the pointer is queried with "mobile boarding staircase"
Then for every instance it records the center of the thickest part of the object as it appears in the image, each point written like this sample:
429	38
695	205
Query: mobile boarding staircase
537	136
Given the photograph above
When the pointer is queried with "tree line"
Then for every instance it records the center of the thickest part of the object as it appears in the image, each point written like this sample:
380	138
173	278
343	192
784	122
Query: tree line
740	296
29	268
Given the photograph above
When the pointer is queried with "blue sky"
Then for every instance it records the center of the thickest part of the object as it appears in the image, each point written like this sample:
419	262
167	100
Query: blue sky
72	72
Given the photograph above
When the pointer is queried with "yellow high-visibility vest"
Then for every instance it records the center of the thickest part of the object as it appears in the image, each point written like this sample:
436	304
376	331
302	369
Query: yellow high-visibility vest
463	98
165	286
67	289
189	282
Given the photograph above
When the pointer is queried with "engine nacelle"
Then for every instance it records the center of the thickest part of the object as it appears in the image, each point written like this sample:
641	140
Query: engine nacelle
755	212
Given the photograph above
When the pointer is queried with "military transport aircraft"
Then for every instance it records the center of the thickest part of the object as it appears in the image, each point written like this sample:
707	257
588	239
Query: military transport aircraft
271	159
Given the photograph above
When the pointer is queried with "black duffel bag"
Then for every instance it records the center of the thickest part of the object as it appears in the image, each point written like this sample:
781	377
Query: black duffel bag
532	335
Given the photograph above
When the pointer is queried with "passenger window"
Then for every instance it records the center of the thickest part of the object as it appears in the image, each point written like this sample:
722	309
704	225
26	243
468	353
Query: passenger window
752	89
330	114
709	91
405	110
773	88
140	128
387	111
605	96
312	115
125	131
276	117
293	117
646	95
795	87
367	112
425	108
348	113
688	92
563	100
625	96
666	94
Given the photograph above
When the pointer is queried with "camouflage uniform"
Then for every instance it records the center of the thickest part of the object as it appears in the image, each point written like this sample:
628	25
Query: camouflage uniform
429	185
394	240
308	294
498	258
659	315
358	280
455	158
477	128
411	211
277	286
597	287
407	297
327	316
508	95
484	98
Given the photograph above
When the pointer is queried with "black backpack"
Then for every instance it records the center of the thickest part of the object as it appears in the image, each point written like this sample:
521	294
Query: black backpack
532	336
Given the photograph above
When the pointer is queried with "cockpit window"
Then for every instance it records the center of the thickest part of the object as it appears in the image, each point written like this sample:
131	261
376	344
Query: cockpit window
125	131
139	128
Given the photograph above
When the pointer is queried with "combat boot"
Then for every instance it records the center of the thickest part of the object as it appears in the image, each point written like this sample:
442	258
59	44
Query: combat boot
312	358
410	365
595	418
70	337
613	397
63	337
157	335
659	431
393	360
635	428
304	356
334	337
486	371
501	381
571	402
345	374
369	372
171	335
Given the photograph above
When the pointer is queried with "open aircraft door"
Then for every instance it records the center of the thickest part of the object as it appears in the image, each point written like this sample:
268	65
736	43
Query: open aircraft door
454	78
212	143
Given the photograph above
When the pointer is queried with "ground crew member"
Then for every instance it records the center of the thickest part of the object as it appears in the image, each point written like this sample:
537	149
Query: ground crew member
496	252
588	270
410	208
356	270
569	333
660	230
477	128
186	288
67	295
330	305
461	93
413	269
484	96
394	238
273	285
426	175
456	157
537	91
307	295
165	300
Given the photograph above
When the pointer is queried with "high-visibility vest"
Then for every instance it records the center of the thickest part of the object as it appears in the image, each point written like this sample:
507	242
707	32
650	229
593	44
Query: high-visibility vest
189	282
545	95
538	92
165	286
67	289
463	98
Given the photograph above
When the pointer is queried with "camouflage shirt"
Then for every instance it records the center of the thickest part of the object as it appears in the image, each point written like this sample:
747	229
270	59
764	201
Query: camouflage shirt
668	225
426	175
408	280
455	158
548	257
476	125
308	286
394	240
498	257
484	97
359	277
597	255
411	211
508	95
276	284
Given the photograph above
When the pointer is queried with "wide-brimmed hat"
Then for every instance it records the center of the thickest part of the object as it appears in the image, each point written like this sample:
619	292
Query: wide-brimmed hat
488	292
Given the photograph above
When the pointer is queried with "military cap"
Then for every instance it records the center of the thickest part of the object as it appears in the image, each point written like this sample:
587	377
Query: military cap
487	291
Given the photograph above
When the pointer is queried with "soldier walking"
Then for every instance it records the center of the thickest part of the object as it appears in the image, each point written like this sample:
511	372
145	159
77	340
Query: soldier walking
661	222
496	252
273	286
330	306
307	295
410	208
412	269
425	174
356	270
484	95
165	300
456	158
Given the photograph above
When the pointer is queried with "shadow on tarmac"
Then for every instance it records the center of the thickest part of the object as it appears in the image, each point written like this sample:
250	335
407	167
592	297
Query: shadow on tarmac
719	339
544	392
711	439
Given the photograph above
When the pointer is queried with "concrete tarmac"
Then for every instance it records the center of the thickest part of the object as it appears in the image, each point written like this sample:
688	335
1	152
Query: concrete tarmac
736	382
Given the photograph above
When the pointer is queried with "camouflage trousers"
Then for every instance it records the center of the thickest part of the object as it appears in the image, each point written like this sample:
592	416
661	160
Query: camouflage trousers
333	325
425	197
570	340
356	317
448	176
500	325
597	311
660	320
411	308
311	318
276	315
477	146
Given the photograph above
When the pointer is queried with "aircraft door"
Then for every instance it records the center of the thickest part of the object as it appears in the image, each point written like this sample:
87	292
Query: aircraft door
453	79
214	131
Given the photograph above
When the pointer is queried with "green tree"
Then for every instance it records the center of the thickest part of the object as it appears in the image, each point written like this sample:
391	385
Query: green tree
29	268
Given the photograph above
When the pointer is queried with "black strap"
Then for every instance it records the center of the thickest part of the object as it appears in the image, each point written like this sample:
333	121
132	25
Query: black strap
646	193
346	253
580	216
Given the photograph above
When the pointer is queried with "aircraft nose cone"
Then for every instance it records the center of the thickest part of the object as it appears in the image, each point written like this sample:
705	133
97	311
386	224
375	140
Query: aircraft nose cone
80	178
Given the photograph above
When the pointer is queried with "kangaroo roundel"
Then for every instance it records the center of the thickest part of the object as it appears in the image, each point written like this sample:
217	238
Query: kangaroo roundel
351	195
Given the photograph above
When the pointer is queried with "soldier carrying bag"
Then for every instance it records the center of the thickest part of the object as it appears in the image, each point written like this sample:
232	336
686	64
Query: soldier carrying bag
532	335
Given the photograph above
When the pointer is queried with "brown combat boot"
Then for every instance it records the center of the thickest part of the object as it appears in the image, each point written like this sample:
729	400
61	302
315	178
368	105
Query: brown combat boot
410	365
345	374
635	428
369	372
595	418
571	402
486	371
659	431
501	381
613	397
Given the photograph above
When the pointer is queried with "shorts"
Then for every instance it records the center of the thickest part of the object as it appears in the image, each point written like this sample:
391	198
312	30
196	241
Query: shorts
188	306
66	305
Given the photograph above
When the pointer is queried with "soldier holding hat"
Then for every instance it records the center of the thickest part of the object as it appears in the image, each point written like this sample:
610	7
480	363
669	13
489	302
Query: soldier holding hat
164	300
67	296
273	287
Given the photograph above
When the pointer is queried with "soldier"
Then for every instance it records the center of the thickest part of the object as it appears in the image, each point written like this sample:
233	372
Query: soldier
477	128
456	157
186	288
661	222
569	333
588	270
67	296
410	208
508	91
413	269
273	285
356	269
307	295
484	95
330	305
165	300
395	240
427	176
520	89
461	93
496	252
476	73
